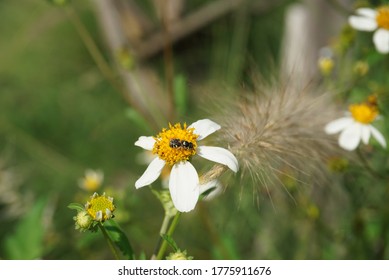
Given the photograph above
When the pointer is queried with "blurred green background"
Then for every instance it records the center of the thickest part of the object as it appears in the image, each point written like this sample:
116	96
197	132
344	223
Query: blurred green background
60	116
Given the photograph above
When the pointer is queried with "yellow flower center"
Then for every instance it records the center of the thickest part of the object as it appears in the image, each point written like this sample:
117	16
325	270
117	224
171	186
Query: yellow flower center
100	208
91	183
363	113
382	17
326	65
175	144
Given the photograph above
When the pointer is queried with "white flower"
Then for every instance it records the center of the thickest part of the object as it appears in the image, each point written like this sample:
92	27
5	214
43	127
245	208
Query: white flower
356	126
211	189
374	20
175	146
92	180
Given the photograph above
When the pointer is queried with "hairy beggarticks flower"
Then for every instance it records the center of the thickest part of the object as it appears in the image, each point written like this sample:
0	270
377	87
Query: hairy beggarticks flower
176	146
326	65
356	126
92	180
179	256
83	221
367	19
100	207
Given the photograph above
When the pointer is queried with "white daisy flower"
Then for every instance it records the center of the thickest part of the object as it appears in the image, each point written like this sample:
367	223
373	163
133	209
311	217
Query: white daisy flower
175	146
367	19
356	126
92	180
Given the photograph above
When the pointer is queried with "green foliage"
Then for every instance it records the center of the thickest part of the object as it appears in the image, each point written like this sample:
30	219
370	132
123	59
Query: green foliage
119	238
180	94
76	206
26	242
170	241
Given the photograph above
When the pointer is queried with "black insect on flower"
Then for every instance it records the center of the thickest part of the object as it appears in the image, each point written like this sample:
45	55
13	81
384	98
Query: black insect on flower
187	145
175	143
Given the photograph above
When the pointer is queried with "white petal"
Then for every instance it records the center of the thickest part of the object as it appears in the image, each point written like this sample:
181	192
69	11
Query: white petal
338	125
219	155
350	137
378	136
99	215
367	12
145	142
362	23
204	127
381	40
365	133
108	213
151	174
214	185
183	186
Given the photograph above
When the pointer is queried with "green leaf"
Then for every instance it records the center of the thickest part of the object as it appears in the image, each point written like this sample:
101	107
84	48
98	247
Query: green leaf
76	206
137	119
180	94
119	238
170	241
26	242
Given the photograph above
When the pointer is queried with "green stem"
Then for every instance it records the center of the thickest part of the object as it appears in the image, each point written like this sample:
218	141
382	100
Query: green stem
110	243
162	231
367	166
170	232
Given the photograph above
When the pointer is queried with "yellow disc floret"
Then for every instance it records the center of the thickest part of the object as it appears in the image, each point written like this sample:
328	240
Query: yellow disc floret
175	144
382	17
100	208
326	65
364	112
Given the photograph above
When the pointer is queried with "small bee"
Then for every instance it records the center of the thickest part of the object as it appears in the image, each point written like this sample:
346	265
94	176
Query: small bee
187	145
175	143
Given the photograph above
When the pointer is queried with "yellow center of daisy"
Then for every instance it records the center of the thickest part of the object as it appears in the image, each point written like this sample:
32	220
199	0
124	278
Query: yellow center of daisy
92	183
363	113
175	144
382	17
100	208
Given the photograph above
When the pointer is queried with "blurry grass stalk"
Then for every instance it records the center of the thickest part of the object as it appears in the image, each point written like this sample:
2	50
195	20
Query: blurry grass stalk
238	45
169	64
105	69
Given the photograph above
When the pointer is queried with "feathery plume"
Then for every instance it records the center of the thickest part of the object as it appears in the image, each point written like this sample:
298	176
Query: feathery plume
277	134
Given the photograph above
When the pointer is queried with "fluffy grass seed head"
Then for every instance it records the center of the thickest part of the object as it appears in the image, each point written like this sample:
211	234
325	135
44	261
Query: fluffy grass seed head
277	132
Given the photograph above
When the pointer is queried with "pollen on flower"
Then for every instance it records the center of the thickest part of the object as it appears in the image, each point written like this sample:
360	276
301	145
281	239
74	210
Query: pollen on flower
364	113
382	17
175	144
100	208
